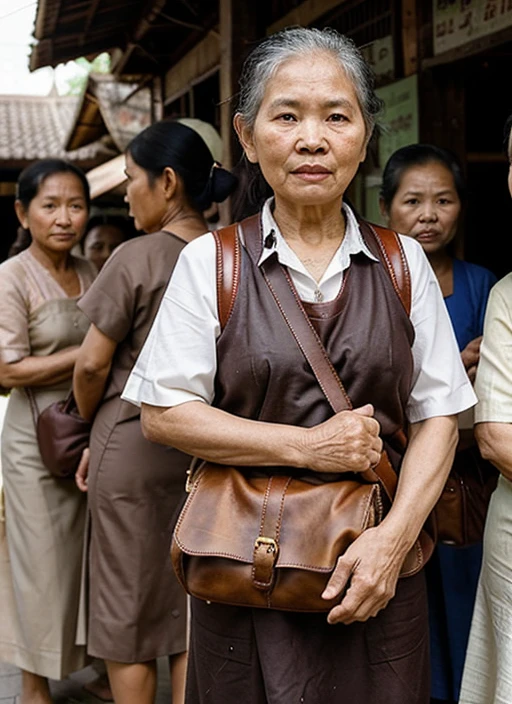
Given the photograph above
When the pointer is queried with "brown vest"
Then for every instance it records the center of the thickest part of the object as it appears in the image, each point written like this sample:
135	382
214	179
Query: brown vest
263	375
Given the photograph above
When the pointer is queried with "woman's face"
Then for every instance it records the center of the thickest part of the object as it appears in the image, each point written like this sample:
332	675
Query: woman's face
57	216
426	206
100	242
309	136
147	202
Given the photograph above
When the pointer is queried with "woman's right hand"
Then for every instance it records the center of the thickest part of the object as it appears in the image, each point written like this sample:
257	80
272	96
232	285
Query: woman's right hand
83	470
347	442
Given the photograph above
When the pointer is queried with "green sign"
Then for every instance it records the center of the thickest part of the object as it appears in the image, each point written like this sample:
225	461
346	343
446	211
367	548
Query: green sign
400	119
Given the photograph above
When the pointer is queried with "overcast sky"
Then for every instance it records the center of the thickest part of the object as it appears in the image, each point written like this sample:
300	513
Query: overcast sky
16	27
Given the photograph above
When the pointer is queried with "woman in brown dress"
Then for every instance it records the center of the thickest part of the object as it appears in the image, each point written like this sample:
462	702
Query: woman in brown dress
41	329
137	609
246	396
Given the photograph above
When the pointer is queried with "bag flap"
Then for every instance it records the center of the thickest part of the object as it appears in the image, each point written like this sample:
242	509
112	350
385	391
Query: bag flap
223	517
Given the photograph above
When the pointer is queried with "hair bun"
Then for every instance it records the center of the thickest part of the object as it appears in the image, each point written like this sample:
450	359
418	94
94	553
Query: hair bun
221	183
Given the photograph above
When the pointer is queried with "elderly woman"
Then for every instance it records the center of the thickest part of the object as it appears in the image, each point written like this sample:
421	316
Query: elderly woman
487	675
306	113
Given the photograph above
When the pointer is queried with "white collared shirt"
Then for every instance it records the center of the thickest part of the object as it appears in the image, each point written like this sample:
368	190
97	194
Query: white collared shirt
178	362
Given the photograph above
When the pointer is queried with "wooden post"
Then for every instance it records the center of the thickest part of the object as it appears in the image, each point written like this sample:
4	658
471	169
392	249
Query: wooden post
409	37
226	78
240	26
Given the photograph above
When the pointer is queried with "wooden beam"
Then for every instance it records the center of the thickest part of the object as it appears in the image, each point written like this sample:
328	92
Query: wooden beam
306	13
201	60
409	37
150	12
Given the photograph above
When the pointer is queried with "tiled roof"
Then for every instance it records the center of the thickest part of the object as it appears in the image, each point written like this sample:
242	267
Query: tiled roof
34	127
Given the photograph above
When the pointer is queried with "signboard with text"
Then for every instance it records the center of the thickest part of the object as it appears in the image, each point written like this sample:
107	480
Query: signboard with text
400	119
457	22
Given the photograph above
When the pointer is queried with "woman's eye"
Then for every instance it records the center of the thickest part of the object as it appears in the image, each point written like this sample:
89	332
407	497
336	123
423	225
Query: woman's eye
48	206
337	117
287	117
444	201
412	201
77	206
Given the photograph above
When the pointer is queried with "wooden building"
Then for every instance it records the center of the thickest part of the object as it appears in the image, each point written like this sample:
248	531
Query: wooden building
442	67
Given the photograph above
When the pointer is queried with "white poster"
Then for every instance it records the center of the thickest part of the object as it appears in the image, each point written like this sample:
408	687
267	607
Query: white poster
457	22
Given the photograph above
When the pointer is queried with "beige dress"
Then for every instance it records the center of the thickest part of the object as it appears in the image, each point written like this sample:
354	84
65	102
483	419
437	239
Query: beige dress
487	677
40	569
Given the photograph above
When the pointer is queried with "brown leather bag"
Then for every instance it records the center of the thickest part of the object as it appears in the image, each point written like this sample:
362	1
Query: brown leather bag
271	539
62	435
461	510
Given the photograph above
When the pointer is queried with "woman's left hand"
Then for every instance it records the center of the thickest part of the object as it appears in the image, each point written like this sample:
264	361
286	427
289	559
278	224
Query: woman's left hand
83	470
366	575
470	357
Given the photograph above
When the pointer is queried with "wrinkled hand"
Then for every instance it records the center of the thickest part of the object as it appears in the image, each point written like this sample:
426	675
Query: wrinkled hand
471	356
366	575
347	442
83	470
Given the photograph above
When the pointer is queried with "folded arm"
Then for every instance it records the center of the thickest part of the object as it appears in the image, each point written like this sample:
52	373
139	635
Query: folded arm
39	371
349	441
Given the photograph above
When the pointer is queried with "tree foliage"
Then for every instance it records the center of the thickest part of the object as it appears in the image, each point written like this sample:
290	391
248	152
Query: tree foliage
75	84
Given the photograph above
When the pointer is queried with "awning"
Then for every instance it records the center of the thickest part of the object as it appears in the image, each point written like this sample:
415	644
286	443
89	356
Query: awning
107	177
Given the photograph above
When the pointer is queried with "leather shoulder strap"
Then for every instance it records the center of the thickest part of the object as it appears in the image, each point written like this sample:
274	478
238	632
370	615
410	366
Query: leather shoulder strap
227	246
228	254
396	262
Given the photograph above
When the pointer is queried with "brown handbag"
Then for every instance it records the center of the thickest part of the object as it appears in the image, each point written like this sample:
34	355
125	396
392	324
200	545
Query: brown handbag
248	538
62	435
461	510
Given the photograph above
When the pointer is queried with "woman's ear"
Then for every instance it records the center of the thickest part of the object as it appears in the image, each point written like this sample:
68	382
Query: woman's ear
383	209
245	136
20	212
169	182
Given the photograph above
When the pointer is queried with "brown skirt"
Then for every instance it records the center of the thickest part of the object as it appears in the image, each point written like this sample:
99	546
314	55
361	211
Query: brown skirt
272	657
137	610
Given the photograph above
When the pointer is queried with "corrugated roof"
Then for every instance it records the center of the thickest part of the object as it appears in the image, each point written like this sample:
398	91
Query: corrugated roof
34	127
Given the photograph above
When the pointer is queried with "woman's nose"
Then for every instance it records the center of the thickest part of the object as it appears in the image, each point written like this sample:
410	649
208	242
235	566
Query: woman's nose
312	138
63	216
428	212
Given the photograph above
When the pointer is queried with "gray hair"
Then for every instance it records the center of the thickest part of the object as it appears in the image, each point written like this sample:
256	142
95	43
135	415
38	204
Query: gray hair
263	62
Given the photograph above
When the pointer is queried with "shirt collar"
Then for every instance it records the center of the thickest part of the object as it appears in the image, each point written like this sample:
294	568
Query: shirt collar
273	240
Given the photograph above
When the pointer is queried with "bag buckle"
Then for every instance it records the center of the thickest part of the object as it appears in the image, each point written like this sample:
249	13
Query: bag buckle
270	542
265	556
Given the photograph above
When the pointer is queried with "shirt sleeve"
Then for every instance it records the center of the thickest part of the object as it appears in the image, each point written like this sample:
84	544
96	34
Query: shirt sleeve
14	334
110	301
178	362
493	383
440	384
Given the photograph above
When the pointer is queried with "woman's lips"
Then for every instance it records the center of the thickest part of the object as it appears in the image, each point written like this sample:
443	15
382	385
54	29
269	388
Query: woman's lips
312	173
427	236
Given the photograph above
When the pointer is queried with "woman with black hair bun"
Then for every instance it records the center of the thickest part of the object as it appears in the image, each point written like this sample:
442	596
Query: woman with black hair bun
137	609
41	329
